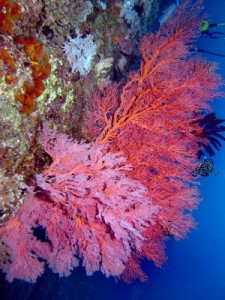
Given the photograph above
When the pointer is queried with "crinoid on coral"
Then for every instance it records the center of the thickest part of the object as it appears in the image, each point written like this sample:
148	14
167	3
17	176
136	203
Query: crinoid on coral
210	135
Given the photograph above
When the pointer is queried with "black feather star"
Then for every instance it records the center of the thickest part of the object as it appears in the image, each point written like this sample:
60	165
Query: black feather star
211	130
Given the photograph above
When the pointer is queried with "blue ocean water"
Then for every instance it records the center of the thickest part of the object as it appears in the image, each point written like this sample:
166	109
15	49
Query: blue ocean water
195	269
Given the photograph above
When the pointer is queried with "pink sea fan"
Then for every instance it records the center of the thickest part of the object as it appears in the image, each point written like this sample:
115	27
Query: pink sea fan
88	209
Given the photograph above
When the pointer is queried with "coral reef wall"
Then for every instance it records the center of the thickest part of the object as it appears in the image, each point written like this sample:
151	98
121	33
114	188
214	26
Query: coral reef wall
97	169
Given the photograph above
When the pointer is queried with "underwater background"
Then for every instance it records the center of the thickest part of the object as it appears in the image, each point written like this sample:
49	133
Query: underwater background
195	268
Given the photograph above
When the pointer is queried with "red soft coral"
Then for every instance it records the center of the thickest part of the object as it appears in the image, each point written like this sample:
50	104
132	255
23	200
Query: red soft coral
152	118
